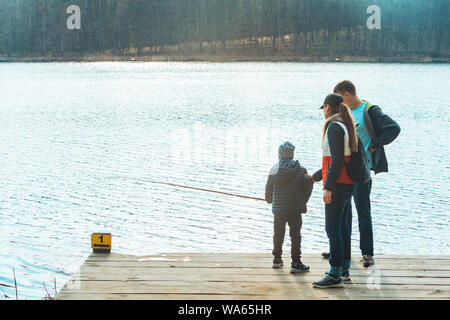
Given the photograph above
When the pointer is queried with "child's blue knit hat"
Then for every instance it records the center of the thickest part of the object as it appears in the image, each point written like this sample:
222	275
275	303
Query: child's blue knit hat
286	151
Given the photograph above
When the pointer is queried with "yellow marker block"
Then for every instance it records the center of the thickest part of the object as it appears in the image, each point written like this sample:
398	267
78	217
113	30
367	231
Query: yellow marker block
101	242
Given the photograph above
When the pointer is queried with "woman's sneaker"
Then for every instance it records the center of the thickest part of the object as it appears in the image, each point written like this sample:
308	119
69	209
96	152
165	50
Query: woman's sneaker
345	275
329	281
298	267
277	263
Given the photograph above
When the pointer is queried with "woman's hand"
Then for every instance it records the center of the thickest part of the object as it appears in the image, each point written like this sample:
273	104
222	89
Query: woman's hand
327	196
311	177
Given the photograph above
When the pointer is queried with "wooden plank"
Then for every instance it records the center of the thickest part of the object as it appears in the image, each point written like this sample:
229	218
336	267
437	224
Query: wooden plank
178	272
145	296
386	284
423	265
285	290
240	259
305	278
235	256
232	257
247	256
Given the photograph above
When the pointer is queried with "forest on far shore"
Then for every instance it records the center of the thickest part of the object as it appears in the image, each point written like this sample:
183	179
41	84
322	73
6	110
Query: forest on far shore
316	30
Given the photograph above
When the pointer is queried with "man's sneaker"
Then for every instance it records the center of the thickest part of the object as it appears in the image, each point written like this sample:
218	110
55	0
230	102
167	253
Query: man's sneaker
298	267
329	282
367	260
346	274
277	263
326	255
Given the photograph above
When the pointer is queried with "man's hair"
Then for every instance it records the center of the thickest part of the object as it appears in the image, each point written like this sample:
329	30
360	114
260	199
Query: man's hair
345	86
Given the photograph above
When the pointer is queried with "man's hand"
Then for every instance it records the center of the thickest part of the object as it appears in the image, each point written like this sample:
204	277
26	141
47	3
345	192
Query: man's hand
327	196
371	149
311	177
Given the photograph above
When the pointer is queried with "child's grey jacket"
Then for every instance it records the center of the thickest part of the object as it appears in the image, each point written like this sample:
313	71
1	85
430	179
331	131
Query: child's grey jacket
287	188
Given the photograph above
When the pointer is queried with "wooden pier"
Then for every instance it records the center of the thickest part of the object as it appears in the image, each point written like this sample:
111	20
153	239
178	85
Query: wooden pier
198	276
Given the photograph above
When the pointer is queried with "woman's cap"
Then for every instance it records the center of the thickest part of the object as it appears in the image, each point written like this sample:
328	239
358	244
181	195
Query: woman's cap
333	100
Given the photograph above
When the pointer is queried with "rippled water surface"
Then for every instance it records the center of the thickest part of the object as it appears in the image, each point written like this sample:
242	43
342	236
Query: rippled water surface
81	144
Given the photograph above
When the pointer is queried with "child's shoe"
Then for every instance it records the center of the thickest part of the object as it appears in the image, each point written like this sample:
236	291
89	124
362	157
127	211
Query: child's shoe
298	267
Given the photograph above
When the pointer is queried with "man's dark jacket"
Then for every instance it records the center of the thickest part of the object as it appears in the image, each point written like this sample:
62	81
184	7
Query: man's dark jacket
382	130
287	188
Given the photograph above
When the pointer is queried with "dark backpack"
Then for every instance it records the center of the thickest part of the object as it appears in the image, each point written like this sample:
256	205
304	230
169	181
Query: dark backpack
358	167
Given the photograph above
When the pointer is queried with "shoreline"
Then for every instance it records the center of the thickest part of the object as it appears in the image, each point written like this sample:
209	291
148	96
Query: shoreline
221	59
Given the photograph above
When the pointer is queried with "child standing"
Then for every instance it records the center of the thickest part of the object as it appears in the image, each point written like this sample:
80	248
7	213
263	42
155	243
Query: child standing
288	189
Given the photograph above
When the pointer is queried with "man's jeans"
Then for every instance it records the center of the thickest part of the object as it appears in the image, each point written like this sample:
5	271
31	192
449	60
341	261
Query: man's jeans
279	227
337	227
361	196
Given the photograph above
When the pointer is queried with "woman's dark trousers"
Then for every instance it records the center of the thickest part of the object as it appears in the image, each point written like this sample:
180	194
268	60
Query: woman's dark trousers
338	228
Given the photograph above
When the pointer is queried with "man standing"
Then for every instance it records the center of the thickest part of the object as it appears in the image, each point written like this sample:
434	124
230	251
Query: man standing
375	130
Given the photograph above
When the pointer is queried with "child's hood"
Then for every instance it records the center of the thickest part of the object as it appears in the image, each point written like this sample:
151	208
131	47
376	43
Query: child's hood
285	170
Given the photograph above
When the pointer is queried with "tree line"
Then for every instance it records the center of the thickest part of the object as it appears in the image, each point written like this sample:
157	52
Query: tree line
297	27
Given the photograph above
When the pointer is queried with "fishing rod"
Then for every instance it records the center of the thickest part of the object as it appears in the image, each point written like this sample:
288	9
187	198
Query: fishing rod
207	190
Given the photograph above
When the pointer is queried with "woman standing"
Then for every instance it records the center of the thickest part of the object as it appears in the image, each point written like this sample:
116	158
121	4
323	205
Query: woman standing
339	141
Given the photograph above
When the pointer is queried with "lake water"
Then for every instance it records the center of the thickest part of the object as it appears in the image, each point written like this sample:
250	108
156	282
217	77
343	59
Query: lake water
81	144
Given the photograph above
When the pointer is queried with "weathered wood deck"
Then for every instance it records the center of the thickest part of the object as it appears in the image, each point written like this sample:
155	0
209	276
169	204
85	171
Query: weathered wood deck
193	276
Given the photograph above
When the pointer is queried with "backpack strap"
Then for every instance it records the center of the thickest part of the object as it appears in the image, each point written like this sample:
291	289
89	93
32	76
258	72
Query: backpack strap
368	121
368	104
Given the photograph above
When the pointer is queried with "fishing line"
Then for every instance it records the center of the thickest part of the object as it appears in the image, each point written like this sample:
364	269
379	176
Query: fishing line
207	190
